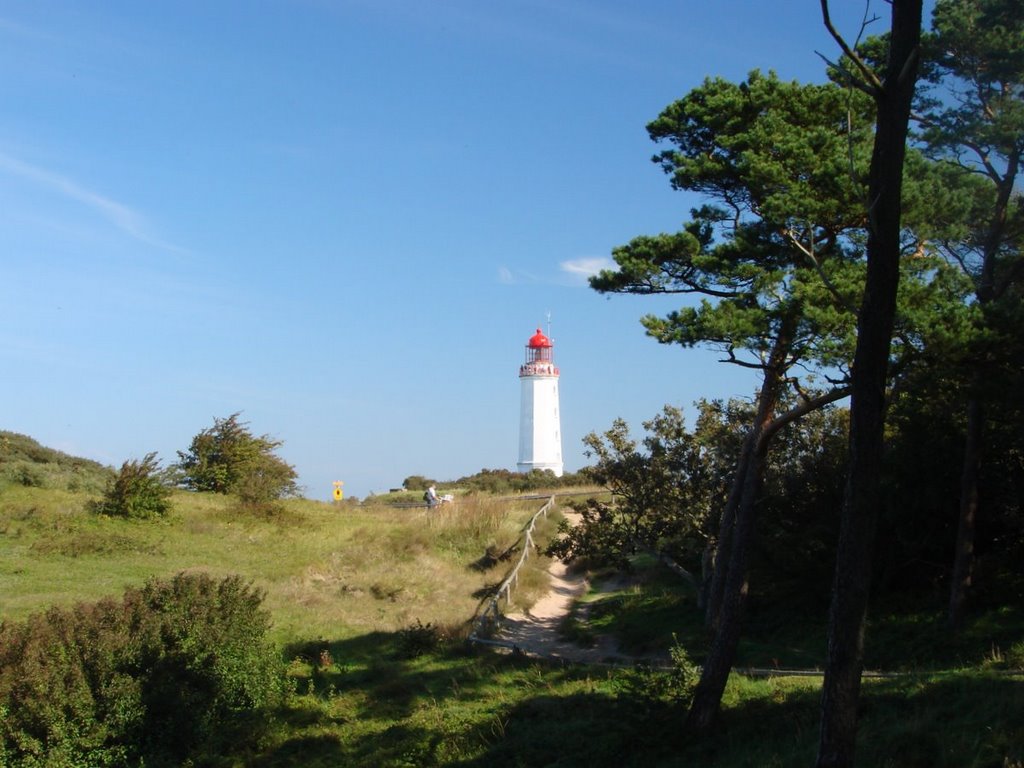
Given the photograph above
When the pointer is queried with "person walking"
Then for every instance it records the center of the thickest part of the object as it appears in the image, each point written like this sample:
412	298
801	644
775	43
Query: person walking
431	497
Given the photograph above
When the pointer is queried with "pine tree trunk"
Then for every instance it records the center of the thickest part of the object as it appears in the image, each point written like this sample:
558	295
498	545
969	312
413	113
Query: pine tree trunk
963	555
841	687
708	695
729	585
726	531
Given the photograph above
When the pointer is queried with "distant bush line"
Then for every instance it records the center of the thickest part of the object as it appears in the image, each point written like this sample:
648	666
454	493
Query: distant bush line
502	481
173	671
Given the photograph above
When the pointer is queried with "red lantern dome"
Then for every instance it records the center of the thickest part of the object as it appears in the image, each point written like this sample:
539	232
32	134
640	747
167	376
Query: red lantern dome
539	340
539	357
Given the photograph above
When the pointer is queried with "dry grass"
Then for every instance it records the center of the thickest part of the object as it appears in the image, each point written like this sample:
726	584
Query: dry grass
328	570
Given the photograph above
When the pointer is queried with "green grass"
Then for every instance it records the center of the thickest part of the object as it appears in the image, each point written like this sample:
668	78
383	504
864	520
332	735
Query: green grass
371	707
327	570
370	603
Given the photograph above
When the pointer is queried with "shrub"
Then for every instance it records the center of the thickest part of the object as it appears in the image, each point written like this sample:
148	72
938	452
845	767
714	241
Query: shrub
228	458
601	538
212	660
675	684
418	639
137	491
172	671
29	475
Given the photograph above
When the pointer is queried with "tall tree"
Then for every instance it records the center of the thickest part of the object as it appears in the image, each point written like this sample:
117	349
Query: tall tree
777	271
777	265
776	262
893	95
972	117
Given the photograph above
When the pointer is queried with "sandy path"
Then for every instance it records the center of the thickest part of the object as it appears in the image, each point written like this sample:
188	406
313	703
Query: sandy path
536	632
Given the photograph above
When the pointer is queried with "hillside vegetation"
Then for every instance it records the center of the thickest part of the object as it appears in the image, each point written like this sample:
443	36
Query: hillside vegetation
369	607
327	570
24	462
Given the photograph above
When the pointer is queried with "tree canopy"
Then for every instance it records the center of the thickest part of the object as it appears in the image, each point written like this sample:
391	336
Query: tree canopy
802	183
227	458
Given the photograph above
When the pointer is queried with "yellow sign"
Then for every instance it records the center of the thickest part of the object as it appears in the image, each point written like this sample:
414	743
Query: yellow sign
339	494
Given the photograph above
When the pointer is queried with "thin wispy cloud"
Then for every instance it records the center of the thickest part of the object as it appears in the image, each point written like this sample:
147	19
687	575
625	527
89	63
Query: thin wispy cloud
121	216
571	272
583	268
508	276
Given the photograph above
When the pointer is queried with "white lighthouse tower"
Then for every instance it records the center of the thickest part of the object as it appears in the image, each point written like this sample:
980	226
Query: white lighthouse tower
540	434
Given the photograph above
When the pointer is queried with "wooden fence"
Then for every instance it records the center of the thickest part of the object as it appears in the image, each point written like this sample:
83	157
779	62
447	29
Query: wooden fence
489	620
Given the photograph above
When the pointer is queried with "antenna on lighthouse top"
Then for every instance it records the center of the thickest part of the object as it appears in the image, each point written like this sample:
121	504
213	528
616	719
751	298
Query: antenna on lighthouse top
549	323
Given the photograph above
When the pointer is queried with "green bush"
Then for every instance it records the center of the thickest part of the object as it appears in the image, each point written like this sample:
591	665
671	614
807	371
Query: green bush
173	671
601	538
418	639
137	491
54	690
228	458
29	475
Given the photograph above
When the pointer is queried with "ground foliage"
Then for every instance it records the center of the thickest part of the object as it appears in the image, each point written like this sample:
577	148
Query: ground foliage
174	670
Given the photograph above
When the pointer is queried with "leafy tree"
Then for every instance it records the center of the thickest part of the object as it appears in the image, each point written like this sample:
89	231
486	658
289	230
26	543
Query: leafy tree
798	519
227	458
924	455
660	495
417	483
137	491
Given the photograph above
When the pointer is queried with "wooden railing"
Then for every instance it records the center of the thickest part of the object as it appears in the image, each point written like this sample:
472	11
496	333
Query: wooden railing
487	622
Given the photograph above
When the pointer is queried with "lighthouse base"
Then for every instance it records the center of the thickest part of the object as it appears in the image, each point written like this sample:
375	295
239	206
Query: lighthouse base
555	468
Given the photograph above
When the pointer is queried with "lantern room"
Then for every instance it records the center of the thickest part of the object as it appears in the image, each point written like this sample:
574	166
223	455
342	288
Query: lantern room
539	357
539	349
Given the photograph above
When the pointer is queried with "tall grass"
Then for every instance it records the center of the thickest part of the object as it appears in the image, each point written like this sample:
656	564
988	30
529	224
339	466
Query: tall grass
327	570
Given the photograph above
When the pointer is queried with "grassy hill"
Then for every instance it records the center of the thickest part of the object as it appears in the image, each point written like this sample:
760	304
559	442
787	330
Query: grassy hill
370	605
327	570
25	462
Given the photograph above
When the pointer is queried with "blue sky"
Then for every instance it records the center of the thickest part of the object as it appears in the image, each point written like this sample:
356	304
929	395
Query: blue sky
345	218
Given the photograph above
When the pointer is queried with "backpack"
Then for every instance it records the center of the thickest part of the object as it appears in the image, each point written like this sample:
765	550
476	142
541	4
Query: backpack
426	495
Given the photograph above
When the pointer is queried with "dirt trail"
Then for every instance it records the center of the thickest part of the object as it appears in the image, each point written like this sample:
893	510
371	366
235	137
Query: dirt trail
536	632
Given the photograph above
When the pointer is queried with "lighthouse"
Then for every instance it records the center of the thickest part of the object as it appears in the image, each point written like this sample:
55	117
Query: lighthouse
540	434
